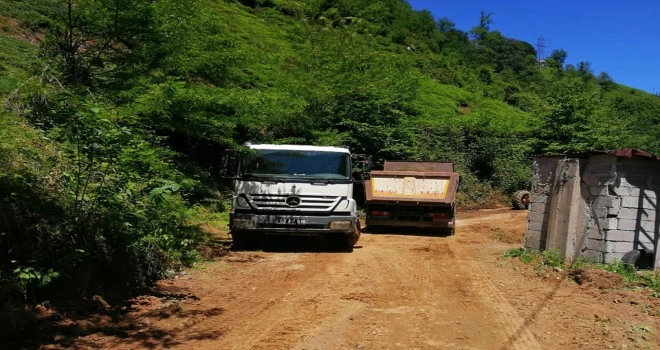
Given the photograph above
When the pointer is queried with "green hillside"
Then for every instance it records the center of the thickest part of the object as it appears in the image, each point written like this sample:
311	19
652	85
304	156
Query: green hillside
115	114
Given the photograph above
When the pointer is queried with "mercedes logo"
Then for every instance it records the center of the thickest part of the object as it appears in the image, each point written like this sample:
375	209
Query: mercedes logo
293	201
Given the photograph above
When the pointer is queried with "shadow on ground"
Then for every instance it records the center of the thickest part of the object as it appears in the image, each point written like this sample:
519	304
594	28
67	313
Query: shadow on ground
297	244
48	327
408	231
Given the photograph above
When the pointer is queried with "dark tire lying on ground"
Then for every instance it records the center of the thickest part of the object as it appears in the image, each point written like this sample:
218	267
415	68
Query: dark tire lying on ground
520	200
639	258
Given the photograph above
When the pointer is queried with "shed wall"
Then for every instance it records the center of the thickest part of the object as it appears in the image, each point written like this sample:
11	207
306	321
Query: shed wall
616	210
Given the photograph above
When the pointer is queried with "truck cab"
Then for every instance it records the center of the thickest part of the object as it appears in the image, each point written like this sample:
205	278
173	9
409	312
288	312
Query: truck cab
294	190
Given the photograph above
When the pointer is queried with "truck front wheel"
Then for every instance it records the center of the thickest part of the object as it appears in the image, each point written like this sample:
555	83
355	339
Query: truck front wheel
352	239
355	237
346	241
244	241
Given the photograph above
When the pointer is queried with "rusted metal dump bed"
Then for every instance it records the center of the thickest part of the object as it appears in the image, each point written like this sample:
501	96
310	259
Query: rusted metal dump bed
406	165
415	194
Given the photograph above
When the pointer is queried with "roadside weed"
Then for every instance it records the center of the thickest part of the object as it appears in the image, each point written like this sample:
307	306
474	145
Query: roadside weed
627	271
526	256
640	329
552	258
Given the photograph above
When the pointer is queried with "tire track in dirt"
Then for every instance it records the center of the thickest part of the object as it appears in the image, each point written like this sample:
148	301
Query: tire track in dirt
468	290
496	214
425	300
519	335
280	321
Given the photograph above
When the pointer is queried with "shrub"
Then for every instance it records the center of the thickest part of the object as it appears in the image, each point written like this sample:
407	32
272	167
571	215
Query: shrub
105	199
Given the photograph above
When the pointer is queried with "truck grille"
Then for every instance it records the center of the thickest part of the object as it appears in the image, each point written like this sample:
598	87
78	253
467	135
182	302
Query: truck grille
293	202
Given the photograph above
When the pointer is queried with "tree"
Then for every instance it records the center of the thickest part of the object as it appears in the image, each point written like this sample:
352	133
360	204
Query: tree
584	70
605	81
557	59
450	36
483	28
485	21
568	126
109	41
445	25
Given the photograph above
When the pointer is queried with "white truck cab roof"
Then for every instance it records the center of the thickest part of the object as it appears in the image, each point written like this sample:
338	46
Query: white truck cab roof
299	148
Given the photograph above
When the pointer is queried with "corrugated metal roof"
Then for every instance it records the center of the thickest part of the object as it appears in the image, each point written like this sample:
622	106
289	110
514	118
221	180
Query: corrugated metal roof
633	153
298	148
623	152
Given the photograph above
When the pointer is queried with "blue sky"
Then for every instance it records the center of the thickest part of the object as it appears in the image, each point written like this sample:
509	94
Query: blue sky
618	37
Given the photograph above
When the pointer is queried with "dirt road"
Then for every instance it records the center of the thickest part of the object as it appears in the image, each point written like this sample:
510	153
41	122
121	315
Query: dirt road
393	291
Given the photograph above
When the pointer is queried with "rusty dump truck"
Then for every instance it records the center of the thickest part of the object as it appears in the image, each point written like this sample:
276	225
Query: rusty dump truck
412	194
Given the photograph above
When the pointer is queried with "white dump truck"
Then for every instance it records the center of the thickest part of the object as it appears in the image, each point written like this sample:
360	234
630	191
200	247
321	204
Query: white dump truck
294	190
412	194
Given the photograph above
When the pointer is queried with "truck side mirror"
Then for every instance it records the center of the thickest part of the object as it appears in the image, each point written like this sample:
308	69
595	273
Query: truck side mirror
361	166
366	170
229	165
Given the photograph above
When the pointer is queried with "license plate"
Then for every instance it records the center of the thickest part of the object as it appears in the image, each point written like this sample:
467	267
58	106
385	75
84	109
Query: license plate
290	221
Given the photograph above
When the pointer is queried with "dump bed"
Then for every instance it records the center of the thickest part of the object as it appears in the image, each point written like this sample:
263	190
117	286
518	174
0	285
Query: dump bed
405	165
408	182
412	194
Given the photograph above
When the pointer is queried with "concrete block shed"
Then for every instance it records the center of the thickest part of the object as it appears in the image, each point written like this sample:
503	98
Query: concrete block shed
598	206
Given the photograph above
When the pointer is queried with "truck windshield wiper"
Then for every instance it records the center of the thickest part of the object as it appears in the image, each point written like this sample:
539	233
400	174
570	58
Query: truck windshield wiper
300	177
325	181
321	181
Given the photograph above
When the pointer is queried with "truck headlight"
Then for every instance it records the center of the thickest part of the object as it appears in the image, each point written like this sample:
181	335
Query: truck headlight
341	225
346	205
241	202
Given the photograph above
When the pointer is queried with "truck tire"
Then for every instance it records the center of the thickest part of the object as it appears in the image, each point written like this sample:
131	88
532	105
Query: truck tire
346	241
353	238
449	231
520	200
243	241
452	230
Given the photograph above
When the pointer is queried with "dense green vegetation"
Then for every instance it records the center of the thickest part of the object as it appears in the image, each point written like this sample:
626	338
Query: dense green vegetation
115	114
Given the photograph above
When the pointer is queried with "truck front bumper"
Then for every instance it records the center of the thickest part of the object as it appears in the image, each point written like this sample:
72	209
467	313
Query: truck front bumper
292	224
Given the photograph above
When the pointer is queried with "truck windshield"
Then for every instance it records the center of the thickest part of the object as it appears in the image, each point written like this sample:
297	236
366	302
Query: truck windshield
301	164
